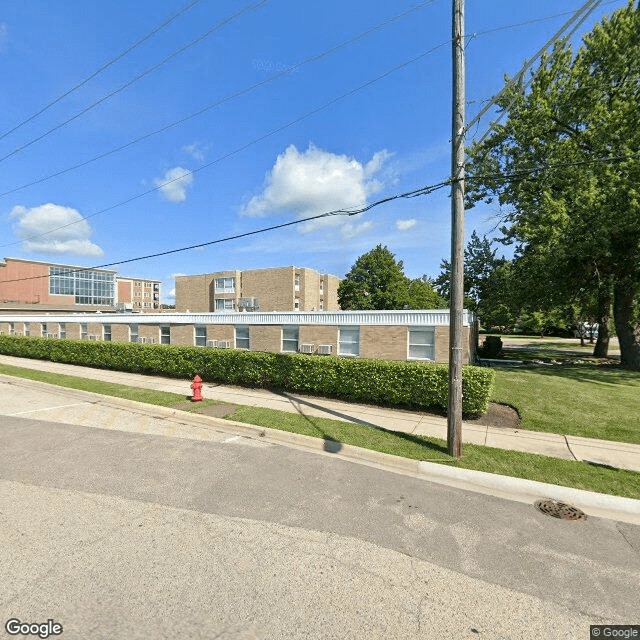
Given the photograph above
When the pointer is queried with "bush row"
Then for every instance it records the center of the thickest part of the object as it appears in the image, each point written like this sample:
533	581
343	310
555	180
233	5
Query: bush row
385	382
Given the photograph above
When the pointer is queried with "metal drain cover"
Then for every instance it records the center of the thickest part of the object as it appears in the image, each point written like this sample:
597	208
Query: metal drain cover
559	510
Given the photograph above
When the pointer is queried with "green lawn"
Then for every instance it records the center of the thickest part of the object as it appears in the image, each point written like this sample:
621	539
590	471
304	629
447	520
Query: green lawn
581	475
580	400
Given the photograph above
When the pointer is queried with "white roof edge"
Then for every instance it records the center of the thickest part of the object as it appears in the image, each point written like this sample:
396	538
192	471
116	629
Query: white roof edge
435	317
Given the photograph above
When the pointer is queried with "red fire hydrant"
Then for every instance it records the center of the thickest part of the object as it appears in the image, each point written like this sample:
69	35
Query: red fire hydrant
196	385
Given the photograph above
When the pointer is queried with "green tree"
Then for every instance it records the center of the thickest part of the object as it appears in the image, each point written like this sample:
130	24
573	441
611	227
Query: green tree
565	166
375	281
422	295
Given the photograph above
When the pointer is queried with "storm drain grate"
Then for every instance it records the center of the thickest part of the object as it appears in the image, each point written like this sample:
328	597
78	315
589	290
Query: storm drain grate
559	510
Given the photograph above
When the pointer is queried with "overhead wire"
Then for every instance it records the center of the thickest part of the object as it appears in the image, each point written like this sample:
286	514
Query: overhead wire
349	211
520	74
237	150
528	63
285	72
103	67
146	72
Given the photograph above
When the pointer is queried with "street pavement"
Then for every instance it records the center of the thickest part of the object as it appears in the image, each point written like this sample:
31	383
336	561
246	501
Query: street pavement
126	522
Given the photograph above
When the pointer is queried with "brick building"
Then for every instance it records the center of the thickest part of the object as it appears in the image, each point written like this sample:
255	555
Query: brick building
31	286
387	335
275	289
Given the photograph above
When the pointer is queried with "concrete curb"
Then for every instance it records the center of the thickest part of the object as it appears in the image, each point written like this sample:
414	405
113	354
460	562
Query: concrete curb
517	489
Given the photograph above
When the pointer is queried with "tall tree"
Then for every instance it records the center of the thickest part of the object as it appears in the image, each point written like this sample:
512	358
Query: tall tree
377	281
566	165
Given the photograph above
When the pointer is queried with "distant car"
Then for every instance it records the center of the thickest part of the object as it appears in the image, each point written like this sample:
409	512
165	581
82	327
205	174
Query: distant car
586	330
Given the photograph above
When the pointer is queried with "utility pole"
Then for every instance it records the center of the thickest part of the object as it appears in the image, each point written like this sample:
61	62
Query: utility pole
454	419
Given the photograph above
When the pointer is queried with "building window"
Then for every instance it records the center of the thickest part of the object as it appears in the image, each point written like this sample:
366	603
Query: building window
242	337
321	305
349	341
297	282
12	328
84	331
63	330
321	287
106	332
296	303
133	333
421	343
87	286
201	335
225	285
44	329
290	338
223	304
27	328
165	334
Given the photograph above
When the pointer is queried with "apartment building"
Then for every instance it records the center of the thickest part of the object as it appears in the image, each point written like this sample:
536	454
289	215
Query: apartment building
386	335
32	286
139	296
274	289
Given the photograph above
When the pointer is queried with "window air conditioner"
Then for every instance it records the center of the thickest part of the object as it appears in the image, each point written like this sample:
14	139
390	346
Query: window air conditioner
223	344
307	348
325	349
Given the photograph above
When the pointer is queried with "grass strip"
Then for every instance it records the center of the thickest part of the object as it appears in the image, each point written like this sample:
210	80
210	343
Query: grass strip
568	473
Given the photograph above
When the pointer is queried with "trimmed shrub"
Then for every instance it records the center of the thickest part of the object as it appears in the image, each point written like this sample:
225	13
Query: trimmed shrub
384	382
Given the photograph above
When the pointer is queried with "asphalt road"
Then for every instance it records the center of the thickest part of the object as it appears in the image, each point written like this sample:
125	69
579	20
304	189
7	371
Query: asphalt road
120	534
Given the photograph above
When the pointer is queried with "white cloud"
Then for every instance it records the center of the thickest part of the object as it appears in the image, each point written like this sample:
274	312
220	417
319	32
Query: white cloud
172	294
65	228
351	230
405	225
173	185
4	37
195	150
315	181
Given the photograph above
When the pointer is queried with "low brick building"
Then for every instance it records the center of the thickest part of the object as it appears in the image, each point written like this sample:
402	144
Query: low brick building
387	335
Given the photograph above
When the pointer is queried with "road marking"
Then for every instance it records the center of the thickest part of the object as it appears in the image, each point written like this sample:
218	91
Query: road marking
62	406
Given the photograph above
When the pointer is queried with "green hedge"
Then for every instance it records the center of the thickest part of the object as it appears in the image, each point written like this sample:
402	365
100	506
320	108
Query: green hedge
385	382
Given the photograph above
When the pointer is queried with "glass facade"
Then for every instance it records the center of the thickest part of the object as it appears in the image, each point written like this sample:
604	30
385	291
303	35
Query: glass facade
87	286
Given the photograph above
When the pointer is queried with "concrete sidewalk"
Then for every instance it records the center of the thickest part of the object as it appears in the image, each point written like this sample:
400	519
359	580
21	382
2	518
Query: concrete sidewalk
615	454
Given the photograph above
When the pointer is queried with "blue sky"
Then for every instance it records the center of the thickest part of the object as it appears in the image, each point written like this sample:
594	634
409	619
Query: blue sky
317	138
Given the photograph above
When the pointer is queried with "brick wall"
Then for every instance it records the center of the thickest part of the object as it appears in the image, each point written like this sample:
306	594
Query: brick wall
265	338
192	293
389	343
319	335
183	334
120	332
273	288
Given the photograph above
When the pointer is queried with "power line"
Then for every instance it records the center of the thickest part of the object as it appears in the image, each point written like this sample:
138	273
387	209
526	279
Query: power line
421	191
273	132
146	72
426	190
227	98
589	6
103	67
519	76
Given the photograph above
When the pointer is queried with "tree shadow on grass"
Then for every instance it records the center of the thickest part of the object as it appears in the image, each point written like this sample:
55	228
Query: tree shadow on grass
333	446
599	374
